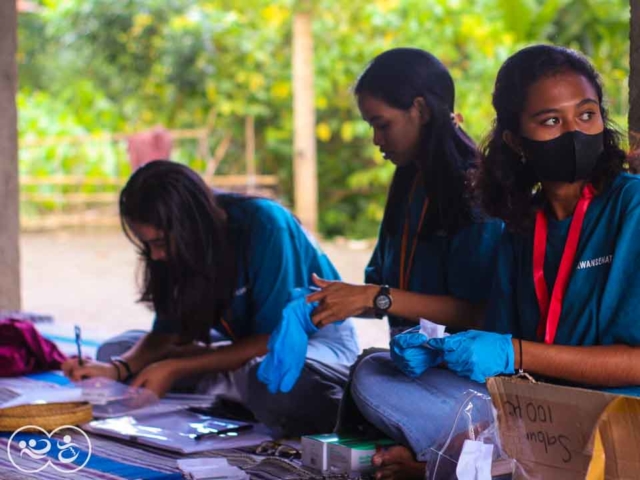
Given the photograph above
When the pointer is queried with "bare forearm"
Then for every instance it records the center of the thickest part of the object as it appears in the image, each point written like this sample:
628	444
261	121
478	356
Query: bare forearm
339	300
149	349
443	309
226	358
606	366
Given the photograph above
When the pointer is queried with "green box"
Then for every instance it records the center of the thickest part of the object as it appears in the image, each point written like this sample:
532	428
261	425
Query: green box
315	449
354	455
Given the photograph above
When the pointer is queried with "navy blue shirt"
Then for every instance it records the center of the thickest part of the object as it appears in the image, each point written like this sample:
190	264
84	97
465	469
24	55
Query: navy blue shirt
460	265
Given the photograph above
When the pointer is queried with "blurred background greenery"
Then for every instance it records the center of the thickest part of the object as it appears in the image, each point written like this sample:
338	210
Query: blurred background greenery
94	66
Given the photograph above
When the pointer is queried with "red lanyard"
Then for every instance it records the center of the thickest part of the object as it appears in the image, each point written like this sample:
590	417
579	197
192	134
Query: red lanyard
550	310
227	327
405	267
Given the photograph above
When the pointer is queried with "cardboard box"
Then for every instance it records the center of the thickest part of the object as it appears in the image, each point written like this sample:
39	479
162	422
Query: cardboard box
553	431
354	455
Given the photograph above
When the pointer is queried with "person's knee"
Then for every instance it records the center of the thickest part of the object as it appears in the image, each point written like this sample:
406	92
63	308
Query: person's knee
310	407
274	410
368	378
118	345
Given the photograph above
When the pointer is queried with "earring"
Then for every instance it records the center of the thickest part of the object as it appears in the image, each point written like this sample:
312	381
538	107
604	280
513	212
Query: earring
456	119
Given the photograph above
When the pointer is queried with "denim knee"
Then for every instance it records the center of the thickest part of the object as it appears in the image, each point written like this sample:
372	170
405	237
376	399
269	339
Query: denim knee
367	379
118	345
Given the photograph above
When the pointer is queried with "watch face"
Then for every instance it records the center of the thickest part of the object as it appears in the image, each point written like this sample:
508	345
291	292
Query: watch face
383	302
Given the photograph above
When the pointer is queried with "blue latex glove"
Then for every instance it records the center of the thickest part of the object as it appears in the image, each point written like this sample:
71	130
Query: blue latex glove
411	355
281	367
476	354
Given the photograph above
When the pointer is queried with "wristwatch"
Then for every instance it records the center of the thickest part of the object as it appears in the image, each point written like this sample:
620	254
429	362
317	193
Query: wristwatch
382	301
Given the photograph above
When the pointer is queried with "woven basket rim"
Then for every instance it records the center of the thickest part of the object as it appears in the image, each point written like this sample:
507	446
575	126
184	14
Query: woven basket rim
42	409
46	416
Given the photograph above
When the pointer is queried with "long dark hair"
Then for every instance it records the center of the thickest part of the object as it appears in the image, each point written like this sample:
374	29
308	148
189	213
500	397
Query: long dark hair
398	77
505	184
194	286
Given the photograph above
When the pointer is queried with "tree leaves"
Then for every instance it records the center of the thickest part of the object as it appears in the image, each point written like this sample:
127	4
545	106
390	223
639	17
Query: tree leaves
104	65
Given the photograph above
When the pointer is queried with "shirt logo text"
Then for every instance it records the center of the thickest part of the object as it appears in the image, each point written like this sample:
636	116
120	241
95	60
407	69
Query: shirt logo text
595	262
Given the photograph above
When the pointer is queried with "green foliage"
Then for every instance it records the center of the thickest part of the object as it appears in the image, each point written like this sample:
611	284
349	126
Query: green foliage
104	65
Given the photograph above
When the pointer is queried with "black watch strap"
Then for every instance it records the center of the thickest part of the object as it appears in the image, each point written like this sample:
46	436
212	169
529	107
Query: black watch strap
382	301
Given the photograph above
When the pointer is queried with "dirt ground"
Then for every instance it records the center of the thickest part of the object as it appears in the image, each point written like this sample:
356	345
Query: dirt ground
89	278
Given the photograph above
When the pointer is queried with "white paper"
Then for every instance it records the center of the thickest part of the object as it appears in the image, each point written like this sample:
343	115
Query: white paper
227	473
193	463
430	329
235	474
8	394
209	468
54	395
475	461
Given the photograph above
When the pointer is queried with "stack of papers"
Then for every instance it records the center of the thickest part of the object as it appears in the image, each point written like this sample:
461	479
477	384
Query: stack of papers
210	469
13	397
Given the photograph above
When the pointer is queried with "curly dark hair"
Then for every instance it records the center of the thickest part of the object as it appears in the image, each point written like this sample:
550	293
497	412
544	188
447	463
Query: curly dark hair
398	77
505	185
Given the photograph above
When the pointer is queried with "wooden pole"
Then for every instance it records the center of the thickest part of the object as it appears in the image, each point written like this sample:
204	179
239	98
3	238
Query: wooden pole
250	151
305	170
634	85
9	203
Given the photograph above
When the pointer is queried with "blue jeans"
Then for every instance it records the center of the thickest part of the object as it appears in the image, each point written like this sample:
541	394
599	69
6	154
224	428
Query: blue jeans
428	414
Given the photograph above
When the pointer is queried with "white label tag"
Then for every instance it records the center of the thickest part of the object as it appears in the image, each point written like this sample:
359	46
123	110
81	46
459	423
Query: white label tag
430	329
475	461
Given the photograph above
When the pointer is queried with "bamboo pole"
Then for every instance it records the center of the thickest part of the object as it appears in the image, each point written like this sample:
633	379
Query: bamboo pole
634	84
218	155
250	151
56	141
9	211
305	171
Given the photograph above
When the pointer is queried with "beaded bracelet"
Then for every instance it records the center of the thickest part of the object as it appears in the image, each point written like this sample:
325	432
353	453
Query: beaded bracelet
125	364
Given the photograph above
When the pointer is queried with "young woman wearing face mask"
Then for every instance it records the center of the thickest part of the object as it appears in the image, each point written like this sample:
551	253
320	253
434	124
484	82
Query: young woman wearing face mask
434	254
567	284
564	301
225	262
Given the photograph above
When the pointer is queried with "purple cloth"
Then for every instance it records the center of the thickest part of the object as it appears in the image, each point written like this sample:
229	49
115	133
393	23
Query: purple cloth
23	350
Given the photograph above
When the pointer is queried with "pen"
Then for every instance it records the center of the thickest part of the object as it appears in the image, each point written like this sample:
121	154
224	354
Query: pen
78	333
238	428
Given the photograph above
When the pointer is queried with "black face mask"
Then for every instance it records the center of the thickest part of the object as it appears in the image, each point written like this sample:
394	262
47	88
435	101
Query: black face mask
570	157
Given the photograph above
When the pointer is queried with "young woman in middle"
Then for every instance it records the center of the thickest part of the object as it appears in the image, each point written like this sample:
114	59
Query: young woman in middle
434	257
435	253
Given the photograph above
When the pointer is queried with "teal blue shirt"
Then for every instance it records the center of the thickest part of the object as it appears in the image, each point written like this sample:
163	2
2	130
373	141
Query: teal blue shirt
460	265
274	255
601	301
